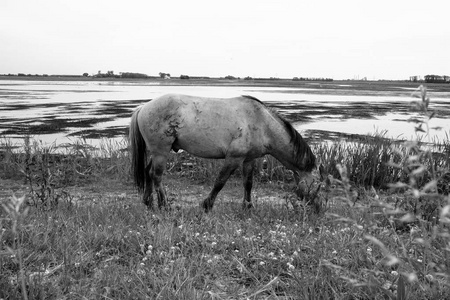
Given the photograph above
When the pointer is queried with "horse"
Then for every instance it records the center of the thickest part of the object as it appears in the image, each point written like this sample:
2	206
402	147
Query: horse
238	130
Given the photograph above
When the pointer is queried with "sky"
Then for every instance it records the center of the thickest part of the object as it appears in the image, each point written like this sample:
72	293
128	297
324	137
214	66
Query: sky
384	39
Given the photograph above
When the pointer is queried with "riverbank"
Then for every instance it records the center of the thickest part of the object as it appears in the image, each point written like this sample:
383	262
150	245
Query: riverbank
355	85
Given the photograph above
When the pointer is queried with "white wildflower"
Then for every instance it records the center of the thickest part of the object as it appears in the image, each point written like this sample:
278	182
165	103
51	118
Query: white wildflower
290	266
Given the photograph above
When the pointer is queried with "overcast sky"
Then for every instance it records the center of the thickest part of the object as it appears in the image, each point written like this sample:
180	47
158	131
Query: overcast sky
384	39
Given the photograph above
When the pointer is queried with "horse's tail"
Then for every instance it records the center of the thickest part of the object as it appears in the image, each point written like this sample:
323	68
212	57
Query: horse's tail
138	152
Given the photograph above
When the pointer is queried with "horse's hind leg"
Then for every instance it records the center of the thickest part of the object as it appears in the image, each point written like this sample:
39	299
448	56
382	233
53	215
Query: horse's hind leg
148	189
247	171
228	168
159	165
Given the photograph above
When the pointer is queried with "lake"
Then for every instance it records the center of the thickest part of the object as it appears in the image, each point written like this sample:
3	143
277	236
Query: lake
63	111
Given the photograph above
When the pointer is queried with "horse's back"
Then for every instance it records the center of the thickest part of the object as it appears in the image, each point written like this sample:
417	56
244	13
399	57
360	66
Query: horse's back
205	127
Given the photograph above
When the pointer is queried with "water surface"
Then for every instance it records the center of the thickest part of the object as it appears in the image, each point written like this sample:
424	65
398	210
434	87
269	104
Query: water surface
62	111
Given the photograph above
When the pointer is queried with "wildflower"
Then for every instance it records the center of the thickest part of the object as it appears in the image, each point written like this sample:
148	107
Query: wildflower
360	227
395	273
141	272
334	252
387	285
213	244
429	277
290	266
261	263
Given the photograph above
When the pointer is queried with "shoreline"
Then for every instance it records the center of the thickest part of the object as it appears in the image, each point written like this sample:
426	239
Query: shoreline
378	85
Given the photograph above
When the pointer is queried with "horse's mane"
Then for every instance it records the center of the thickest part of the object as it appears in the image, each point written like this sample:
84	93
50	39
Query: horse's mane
301	148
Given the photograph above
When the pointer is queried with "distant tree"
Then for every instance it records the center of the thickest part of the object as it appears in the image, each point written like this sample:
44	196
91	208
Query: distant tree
133	75
184	77
230	77
85	74
164	75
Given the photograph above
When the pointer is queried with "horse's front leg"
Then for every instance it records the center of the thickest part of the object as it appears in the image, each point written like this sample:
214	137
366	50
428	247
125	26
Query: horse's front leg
247	170
227	169
148	188
159	165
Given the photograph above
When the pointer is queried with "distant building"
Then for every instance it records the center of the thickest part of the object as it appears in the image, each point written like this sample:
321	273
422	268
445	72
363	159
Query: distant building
437	79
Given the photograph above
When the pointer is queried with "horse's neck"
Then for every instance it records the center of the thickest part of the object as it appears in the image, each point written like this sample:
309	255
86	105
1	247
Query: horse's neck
282	149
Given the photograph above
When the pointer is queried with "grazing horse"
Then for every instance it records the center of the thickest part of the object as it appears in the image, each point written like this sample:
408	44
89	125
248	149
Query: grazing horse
238	130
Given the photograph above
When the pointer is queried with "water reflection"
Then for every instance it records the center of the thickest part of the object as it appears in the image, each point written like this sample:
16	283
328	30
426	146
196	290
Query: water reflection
72	105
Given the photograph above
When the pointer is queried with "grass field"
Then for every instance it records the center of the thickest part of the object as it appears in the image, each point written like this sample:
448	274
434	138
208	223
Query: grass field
73	227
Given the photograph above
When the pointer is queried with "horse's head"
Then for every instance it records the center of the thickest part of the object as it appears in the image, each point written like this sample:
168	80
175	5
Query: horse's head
311	186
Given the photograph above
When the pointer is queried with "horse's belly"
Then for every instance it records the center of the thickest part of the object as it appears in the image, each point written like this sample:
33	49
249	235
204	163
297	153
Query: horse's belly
202	144
215	141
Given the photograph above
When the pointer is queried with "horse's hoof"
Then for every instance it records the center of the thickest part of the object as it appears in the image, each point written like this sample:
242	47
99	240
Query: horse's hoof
148	205
247	205
206	206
